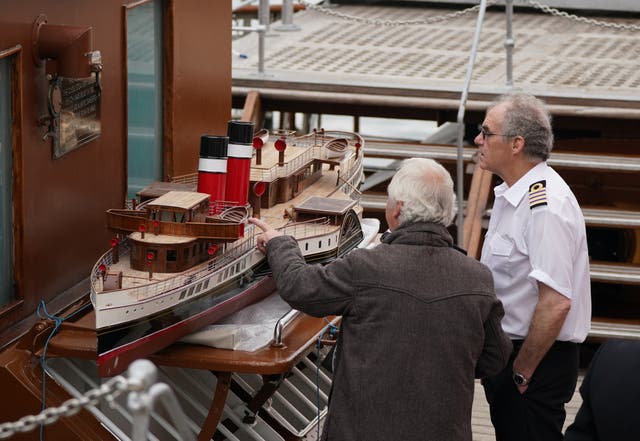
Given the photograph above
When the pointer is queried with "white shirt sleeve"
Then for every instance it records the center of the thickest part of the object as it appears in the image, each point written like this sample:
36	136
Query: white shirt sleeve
551	239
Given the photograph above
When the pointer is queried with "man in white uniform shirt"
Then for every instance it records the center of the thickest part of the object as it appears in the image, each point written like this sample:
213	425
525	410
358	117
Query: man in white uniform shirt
536	248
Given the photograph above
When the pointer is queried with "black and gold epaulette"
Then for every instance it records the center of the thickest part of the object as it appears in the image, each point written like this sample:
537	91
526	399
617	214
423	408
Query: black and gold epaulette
538	194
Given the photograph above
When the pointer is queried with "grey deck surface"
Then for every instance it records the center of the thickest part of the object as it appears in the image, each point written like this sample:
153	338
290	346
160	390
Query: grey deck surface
568	63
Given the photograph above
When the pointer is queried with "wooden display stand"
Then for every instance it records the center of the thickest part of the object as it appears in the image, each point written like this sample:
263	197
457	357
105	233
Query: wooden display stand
78	340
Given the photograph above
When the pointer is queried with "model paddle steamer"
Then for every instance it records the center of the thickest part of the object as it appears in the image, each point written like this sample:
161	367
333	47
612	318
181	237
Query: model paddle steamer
185	259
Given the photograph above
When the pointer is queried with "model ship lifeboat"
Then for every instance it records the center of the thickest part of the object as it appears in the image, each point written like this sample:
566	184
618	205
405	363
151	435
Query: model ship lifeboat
184	259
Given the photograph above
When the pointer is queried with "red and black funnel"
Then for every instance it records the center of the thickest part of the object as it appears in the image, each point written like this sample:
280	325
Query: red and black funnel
212	166
240	151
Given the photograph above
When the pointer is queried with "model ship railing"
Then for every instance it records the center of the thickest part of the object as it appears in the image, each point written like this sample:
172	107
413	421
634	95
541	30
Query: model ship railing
351	182
131	220
122	249
228	210
313	138
305	229
282	171
315	145
229	253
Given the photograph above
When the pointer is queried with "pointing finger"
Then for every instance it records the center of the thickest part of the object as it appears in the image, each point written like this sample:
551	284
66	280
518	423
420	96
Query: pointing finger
260	224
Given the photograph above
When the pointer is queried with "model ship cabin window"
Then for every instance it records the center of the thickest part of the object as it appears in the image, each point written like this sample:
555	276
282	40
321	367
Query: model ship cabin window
6	185
167	216
144	94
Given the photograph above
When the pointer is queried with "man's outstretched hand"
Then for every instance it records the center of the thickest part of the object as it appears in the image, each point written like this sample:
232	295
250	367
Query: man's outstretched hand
268	233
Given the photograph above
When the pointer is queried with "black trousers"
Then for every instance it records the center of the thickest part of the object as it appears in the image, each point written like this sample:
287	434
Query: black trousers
538	414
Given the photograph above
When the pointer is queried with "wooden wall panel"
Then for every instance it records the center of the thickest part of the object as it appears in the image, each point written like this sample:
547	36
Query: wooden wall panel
63	201
201	88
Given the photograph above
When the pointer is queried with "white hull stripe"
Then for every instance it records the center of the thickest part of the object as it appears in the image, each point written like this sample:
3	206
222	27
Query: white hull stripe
212	165
240	151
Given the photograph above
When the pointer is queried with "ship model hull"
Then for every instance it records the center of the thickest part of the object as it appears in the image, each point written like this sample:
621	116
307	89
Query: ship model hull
119	345
215	267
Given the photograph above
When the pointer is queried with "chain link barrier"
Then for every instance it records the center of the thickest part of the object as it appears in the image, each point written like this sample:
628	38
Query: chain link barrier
589	21
107	391
378	22
453	15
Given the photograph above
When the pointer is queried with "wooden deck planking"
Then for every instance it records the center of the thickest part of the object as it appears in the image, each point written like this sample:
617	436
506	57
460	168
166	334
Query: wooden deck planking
270	155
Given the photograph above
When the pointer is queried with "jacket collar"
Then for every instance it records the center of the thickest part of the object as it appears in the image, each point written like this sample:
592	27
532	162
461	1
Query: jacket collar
515	193
420	233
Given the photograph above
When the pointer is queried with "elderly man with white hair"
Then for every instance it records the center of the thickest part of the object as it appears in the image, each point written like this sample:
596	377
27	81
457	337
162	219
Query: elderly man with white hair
420	319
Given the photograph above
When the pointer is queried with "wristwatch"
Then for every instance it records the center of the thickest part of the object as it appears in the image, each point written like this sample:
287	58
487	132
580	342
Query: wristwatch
519	379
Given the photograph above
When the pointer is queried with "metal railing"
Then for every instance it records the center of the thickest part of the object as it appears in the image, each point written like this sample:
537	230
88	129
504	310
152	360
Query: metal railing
143	392
281	324
261	30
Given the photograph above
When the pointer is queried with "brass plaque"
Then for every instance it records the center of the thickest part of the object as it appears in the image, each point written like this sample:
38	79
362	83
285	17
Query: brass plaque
74	105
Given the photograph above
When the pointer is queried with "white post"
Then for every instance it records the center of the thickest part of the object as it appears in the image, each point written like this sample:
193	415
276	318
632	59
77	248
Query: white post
509	41
264	14
144	375
287	17
261	34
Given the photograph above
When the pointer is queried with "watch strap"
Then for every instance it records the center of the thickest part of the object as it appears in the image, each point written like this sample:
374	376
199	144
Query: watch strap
520	380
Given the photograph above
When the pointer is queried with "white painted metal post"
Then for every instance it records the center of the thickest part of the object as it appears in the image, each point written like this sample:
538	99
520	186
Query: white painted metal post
460	120
264	14
140	402
509	41
287	17
261	34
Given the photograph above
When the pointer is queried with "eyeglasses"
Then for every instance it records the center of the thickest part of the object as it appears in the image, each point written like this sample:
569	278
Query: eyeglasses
486	134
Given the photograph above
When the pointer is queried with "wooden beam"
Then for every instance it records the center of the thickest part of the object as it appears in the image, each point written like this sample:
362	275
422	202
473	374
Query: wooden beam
253	111
476	206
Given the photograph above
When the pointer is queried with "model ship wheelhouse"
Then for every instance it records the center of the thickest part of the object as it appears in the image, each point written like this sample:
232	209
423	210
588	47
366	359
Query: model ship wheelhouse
180	218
